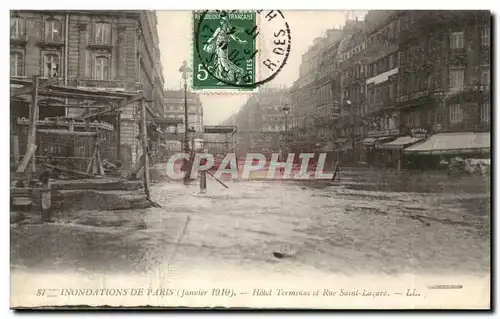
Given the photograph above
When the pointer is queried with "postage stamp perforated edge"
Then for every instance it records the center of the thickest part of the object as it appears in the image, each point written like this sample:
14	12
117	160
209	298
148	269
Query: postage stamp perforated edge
224	90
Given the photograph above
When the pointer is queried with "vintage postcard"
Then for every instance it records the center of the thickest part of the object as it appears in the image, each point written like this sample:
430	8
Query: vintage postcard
268	159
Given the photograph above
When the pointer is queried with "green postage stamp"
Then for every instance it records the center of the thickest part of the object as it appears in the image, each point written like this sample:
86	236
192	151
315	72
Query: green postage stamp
226	54
225	51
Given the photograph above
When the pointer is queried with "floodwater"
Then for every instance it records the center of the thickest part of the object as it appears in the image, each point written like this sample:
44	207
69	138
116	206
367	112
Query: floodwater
368	227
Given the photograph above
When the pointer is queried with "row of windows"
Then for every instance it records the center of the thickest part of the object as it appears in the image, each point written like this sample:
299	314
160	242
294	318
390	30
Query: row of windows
457	39
53	30
384	36
51	66
455	116
393	89
417	54
456	113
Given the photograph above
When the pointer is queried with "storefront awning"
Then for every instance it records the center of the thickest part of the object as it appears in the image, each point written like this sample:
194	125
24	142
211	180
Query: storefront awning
453	143
401	142
369	141
346	146
328	147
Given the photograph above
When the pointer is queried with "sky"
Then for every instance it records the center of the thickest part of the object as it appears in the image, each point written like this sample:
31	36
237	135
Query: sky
175	36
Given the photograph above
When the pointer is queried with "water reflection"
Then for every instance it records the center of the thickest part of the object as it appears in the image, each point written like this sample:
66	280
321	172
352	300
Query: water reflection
360	227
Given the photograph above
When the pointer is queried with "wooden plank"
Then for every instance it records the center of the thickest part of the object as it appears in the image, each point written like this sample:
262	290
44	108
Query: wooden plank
95	168
144	133
110	108
23	176
15	149
78	106
28	87
336	172
20	81
66	132
21	191
92	160
135	169
33	118
26	159
100	168
20	91
70	95
64	169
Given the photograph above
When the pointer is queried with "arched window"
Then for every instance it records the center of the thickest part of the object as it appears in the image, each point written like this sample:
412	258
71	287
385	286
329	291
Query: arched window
53	30
51	65
16	64
102	33
101	70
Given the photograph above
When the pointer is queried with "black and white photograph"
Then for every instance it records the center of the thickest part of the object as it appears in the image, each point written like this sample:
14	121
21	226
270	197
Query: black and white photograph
250	159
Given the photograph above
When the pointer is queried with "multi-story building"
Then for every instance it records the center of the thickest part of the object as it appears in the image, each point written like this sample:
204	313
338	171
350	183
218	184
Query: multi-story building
261	121
444	74
409	72
365	57
303	99
174	109
326	81
102	50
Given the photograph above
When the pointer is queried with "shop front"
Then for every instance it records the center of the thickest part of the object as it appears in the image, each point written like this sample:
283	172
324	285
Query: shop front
394	155
375	155
443	147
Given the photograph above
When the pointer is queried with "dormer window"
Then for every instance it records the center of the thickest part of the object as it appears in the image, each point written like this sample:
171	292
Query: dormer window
53	30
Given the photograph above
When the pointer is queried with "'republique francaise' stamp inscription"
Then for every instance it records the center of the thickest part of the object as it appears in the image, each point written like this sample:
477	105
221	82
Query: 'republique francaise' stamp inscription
231	50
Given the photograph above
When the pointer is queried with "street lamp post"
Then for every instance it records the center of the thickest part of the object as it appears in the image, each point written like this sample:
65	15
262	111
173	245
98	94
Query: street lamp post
286	109
185	69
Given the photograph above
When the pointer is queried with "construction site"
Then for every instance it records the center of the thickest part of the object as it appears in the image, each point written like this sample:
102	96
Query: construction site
74	160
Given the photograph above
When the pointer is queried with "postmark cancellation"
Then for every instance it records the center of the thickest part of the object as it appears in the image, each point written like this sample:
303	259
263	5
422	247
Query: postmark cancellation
238	50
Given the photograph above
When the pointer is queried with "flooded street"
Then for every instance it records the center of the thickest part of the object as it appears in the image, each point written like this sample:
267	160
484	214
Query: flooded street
317	227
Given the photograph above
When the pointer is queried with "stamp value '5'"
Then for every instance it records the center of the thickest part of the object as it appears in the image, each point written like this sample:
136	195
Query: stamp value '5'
225	49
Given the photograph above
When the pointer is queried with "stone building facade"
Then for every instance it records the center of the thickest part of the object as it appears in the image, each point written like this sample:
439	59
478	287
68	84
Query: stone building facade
397	73
174	109
303	99
261	121
103	50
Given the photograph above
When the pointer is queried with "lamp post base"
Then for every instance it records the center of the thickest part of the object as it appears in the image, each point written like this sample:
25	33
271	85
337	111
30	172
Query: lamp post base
187	165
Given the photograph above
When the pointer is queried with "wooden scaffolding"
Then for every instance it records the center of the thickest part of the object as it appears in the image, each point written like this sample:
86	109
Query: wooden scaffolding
93	104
